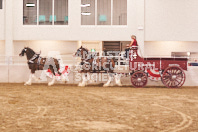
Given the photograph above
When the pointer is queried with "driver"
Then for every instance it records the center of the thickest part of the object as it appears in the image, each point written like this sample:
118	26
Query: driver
133	41
129	46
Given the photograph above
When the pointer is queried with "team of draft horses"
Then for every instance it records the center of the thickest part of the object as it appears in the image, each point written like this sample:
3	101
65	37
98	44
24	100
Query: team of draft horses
89	63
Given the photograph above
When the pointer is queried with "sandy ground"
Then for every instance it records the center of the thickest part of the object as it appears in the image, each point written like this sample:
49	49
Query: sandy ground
123	109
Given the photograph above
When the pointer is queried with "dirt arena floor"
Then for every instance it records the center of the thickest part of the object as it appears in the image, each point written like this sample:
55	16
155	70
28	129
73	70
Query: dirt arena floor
80	109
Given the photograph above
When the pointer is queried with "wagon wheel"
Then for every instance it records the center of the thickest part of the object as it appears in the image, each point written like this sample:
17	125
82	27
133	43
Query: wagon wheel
173	77
139	79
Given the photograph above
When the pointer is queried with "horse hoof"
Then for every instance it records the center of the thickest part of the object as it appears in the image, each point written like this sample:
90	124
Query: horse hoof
27	84
38	81
119	84
50	84
81	85
105	85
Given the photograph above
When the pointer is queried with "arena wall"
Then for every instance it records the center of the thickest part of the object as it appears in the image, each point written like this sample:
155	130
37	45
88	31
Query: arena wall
2	12
164	48
20	74
2	48
171	20
4	73
74	31
150	20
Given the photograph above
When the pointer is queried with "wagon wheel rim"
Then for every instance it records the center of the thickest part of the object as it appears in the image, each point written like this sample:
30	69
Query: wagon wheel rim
139	79
173	77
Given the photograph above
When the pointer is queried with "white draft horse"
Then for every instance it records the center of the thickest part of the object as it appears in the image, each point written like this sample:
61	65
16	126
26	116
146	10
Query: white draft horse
39	63
93	64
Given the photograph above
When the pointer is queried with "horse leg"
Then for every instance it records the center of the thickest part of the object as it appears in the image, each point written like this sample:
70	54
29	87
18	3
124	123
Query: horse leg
34	77
29	82
58	68
53	81
84	80
93	77
80	83
117	79
63	79
109	81
54	77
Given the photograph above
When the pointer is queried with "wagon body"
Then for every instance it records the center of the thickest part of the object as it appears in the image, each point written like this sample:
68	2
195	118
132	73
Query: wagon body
156	63
170	69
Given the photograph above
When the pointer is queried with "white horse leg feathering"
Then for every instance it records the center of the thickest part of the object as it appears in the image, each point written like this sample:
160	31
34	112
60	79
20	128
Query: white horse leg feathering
29	82
117	79
63	79
52	82
93	77
84	80
35	78
108	82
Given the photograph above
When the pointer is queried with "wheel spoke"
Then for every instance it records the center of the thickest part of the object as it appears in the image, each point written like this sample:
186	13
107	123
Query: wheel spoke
139	79
173	77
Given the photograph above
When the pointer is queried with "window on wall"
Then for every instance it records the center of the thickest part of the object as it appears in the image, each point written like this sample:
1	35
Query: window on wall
61	12
104	12
88	12
119	12
29	12
45	12
1	4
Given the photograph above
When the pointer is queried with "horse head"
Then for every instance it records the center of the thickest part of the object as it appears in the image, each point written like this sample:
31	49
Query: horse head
28	51
24	50
81	52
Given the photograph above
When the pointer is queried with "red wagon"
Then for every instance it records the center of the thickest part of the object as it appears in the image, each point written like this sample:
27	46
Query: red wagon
171	70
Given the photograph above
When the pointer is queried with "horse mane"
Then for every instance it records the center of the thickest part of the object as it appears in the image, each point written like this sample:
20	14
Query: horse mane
31	51
84	49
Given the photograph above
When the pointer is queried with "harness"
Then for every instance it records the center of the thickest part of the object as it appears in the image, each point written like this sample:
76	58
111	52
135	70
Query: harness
39	61
94	61
91	56
35	56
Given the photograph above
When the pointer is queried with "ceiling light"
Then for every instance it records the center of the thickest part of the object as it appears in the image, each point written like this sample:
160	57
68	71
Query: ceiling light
86	13
188	53
30	5
85	5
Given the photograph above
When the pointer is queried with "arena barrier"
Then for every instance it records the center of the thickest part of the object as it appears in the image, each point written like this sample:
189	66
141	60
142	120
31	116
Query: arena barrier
15	70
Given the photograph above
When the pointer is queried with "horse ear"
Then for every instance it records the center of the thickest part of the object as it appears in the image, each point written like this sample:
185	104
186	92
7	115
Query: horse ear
81	47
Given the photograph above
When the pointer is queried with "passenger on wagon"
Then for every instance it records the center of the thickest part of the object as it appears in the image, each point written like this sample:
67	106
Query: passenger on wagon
127	51
129	46
133	41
